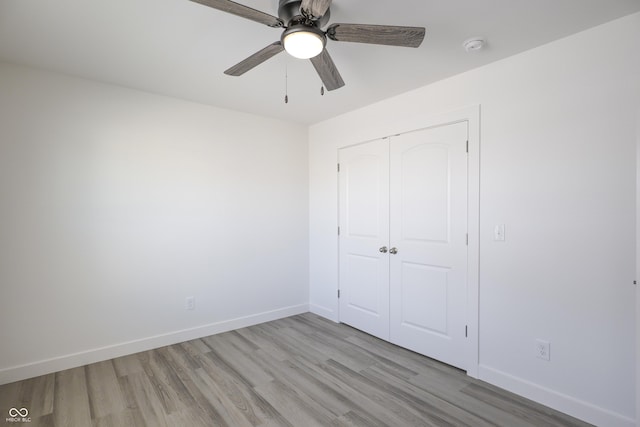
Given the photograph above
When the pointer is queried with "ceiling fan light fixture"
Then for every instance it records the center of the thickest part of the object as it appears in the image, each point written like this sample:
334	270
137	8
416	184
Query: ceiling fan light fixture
303	42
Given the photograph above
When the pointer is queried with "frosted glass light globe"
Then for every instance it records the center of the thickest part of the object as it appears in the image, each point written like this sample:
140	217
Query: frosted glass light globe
303	44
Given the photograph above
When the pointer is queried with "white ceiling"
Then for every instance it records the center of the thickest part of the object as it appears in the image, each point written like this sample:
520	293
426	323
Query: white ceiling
180	48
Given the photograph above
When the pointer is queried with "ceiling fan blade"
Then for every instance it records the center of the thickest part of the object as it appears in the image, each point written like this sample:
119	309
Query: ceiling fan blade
327	71
242	11
377	34
255	59
315	8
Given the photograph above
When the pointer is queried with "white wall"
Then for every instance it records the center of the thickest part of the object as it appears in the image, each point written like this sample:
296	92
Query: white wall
115	205
558	141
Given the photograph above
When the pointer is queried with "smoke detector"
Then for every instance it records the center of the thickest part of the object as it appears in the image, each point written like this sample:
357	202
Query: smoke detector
474	44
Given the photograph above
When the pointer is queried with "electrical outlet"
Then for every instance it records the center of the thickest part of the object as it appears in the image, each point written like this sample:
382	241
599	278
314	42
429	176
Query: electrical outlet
190	303
543	349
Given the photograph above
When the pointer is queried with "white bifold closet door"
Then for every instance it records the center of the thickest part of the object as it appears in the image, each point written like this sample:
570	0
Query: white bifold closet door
403	241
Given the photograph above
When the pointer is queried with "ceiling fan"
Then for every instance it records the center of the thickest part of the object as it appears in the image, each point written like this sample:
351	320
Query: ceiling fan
303	37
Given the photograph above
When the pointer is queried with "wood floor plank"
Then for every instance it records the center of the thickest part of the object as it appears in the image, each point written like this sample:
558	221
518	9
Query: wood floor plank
42	398
105	395
171	391
224	394
356	419
35	394
520	407
264	341
43	421
146	400
188	418
374	358
296	408
125	418
286	345
241	361
9	396
299	371
258	409
71	399
207	410
305	384
358	399
402	357
428	404
321	324
241	342
20	394
294	348
167	371
349	356
188	354
448	387
226	401
127	365
404	414
200	345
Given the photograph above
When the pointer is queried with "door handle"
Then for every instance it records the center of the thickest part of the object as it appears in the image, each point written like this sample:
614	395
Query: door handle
393	251
383	249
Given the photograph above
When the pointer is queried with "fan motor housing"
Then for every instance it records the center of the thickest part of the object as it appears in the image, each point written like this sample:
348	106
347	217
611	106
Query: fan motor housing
290	9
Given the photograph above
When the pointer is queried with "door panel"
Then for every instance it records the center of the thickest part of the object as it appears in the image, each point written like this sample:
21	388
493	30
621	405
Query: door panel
363	196
428	226
360	272
425	189
424	283
364	228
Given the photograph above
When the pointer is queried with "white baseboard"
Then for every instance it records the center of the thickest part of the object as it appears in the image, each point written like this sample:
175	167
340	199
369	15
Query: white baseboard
325	312
553	399
43	367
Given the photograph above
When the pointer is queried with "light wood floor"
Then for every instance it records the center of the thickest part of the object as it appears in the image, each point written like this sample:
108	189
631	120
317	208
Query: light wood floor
300	371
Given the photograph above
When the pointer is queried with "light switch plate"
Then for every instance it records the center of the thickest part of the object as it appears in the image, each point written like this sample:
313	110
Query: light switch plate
498	233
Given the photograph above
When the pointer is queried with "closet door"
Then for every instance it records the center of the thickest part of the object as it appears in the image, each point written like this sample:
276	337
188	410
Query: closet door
364	237
428	232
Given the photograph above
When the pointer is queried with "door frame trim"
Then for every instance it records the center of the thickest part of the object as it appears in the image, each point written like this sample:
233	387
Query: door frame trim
471	115
638	268
473	267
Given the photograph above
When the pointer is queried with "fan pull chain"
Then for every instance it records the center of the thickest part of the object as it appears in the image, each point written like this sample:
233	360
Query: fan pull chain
322	90
286	83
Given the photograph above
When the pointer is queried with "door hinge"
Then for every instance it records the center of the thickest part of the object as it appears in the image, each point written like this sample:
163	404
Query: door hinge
466	331
467	239
338	167
467	145
635	282
338	293
338	231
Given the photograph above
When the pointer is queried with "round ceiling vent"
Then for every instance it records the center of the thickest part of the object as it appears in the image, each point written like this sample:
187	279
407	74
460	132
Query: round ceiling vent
474	44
